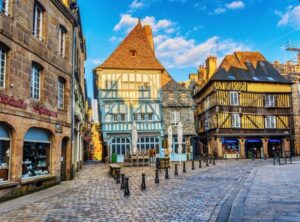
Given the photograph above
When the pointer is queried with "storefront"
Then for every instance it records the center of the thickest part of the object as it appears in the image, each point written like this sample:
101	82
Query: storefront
275	146
4	153
119	147
175	156
36	153
230	147
254	146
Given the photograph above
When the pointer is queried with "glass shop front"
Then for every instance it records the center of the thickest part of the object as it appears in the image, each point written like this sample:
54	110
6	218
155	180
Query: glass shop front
4	153
36	153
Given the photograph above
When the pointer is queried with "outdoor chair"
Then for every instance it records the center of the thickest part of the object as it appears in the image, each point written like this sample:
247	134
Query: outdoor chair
134	159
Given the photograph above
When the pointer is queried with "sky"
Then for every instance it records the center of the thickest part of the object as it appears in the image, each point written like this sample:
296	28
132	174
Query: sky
186	32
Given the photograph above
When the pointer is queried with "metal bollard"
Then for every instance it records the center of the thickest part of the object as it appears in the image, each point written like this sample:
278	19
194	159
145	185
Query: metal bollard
126	188
274	163
122	181
143	186
210	159
207	162
167	174
291	158
184	169
193	165
156	176
118	177
176	170
200	164
214	161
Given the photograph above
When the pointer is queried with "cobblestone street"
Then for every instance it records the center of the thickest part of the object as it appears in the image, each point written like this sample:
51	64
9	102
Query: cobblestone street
200	195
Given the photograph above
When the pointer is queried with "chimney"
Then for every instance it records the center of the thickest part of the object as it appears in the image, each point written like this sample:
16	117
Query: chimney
201	73
211	66
148	32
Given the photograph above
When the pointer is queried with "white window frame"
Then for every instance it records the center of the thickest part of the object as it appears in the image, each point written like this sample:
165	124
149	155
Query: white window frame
3	58
35	86
206	125
5	8
270	100
61	94
235	120
62	41
37	23
270	122
175	117
234	98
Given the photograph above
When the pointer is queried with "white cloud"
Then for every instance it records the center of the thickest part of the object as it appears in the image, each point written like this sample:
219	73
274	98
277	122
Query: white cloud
291	17
96	61
176	50
236	5
136	4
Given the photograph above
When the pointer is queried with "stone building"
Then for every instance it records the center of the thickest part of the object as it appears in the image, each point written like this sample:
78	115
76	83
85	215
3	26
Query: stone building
291	71
36	78
244	108
177	106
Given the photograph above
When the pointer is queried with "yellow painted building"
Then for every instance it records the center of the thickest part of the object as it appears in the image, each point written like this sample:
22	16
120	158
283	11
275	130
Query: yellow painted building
244	108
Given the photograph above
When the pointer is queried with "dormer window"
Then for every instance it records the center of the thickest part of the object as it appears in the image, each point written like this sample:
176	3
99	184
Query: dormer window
133	53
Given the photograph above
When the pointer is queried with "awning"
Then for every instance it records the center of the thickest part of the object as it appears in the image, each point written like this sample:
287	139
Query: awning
229	141
37	135
275	140
4	134
253	140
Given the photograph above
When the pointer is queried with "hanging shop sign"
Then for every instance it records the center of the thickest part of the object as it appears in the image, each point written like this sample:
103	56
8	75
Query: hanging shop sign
41	110
10	101
164	144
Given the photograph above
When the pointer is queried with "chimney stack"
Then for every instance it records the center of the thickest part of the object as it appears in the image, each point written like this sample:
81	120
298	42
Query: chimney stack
211	66
148	32
201	73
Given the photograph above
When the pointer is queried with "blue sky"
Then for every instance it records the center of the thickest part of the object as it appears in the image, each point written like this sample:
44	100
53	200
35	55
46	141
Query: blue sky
187	31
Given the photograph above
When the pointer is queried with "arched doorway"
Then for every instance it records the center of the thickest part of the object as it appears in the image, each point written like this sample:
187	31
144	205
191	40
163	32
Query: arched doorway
63	159
36	153
5	140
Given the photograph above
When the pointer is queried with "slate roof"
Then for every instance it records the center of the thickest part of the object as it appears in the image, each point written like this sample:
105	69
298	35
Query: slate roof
145	57
248	66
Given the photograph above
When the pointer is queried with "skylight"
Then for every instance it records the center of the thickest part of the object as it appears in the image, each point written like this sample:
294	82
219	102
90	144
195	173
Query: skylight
231	77
270	78
255	78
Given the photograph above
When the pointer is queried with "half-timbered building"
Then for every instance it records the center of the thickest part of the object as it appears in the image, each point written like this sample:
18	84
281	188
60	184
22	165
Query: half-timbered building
244	108
128	87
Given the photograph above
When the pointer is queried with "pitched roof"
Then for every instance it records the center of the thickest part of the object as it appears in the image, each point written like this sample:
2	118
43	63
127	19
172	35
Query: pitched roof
145	57
248	66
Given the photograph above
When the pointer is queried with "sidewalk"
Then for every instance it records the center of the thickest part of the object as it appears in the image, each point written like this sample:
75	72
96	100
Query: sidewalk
271	193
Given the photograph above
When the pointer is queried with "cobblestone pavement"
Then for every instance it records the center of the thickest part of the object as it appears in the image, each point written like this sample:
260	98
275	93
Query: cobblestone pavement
197	195
269	194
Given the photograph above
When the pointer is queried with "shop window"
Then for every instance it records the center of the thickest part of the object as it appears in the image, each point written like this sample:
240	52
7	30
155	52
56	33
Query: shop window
234	98
120	146
61	93
38	21
62	41
270	100
4	6
146	143
270	122
4	153
3	56
35	86
176	145
235	120
36	153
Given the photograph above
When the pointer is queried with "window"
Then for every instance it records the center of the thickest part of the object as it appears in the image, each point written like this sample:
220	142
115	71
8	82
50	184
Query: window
234	98
120	146
3	53
176	145
171	96
4	6
231	77
146	143
175	117
4	153
119	117
61	93
62	41
235	121
36	153
206	125
270	100
133	53
35	82
143	116
271	122
38	21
